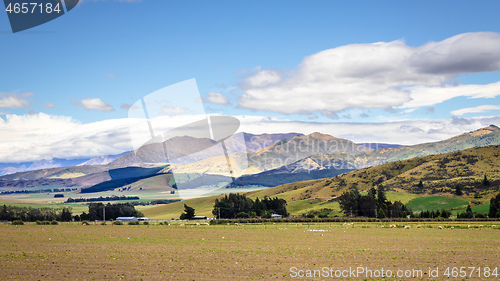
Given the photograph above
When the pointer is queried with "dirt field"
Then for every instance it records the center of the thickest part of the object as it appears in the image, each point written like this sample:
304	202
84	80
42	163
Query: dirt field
250	252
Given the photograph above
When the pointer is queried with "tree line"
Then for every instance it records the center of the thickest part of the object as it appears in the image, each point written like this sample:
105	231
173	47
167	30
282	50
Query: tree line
29	214
374	204
112	211
12	213
100	198
28	191
237	205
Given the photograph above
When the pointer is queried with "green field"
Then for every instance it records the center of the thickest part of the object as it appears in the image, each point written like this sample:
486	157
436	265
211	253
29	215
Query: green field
436	203
244	252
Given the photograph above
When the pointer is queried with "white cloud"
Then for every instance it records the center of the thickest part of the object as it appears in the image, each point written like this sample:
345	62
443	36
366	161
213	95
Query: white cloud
14	100
96	104
49	105
477	109
429	96
42	136
409	110
377	75
172	110
405	132
216	98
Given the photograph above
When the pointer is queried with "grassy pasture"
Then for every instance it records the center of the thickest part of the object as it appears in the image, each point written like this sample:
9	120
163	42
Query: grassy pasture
436	203
249	252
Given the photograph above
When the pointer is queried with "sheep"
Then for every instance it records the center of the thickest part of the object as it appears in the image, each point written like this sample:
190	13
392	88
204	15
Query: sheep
452	227
419	226
440	227
407	227
493	226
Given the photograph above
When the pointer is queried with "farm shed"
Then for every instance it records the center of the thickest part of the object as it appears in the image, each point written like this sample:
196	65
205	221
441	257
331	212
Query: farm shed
122	219
199	218
276	216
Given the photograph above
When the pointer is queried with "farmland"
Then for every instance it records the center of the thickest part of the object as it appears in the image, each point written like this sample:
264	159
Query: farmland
249	252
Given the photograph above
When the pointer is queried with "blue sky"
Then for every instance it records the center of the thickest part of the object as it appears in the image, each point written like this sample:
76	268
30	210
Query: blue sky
84	69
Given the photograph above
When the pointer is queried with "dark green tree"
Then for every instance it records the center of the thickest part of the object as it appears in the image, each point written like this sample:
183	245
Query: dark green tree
373	192
486	182
381	214
458	191
66	215
495	207
420	184
367	206
188	213
381	198
349	201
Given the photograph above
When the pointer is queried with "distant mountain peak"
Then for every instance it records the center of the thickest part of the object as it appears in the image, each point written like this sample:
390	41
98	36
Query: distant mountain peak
484	131
318	135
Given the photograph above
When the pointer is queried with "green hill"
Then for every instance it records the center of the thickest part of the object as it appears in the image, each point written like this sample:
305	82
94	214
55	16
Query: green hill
440	175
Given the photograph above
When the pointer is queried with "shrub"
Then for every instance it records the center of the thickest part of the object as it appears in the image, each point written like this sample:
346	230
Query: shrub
118	223
40	222
242	215
54	223
133	223
145	223
18	222
85	223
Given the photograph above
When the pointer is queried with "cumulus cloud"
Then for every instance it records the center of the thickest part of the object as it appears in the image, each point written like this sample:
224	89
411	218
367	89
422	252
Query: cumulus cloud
42	136
14	100
376	75
216	98
477	109
95	104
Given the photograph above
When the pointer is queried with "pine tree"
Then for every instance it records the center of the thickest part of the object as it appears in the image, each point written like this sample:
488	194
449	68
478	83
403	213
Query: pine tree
486	182
381	198
381	214
420	184
188	213
373	192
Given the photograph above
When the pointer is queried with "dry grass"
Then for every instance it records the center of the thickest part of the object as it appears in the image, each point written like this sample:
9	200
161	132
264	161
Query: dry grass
250	252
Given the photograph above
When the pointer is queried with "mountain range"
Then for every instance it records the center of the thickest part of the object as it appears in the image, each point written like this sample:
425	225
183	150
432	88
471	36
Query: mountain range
439	174
273	159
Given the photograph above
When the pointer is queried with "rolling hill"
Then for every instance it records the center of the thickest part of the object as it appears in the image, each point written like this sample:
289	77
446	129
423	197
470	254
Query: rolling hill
482	137
440	175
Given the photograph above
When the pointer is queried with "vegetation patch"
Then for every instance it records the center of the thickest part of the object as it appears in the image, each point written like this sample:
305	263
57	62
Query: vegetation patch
436	203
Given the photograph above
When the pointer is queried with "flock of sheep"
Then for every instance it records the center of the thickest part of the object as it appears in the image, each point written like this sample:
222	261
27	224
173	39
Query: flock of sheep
439	227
